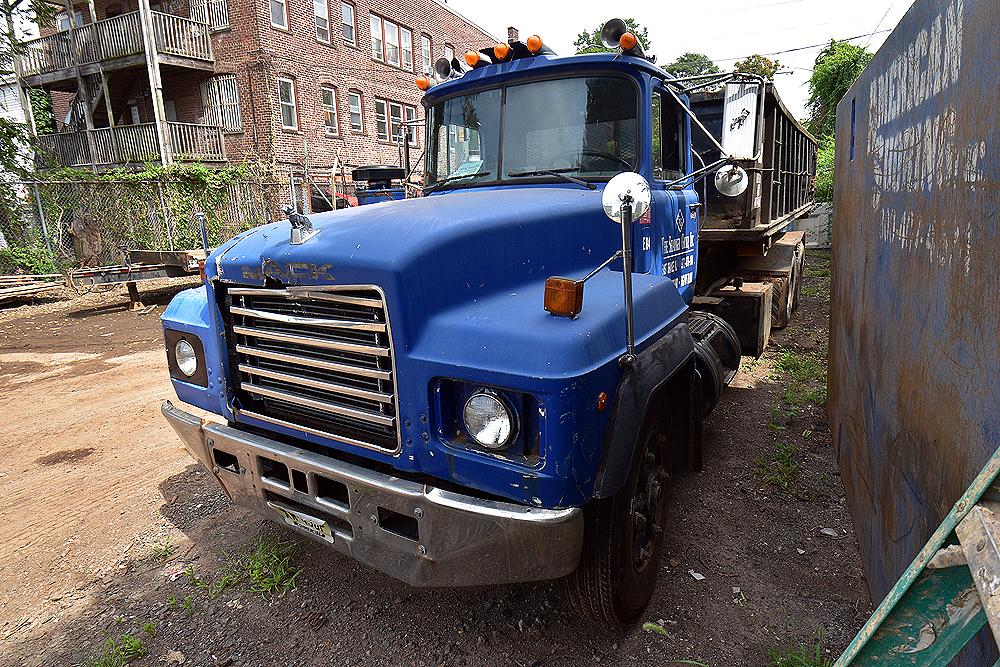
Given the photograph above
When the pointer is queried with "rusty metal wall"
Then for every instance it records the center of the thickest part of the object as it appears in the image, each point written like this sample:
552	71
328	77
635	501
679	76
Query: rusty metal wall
915	329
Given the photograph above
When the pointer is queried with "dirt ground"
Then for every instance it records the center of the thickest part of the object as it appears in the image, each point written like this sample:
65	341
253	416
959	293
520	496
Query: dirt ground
101	509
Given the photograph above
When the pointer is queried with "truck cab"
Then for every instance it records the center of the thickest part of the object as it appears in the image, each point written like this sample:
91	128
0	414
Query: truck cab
405	382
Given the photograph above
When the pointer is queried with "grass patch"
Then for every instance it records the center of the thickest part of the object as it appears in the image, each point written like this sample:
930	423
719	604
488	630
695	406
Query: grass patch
802	367
150	629
822	271
780	468
117	653
162	552
811	655
820	290
267	568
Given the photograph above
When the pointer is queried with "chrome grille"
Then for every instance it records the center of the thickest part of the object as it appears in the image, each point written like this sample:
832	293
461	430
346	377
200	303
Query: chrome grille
316	359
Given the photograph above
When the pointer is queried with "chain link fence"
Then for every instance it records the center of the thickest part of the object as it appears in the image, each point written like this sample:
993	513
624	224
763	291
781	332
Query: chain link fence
95	223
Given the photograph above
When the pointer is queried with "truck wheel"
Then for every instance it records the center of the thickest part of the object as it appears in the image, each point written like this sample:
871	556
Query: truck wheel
622	538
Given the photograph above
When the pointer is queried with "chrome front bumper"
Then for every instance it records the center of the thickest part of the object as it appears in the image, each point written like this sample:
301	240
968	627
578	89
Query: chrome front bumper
420	534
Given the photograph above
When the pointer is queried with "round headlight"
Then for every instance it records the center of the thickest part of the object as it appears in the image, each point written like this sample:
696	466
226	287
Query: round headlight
187	361
488	421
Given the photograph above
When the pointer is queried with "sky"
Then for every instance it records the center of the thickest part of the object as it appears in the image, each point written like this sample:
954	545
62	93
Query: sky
725	30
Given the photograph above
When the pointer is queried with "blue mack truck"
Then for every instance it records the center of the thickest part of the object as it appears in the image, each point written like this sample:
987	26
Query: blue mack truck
421	384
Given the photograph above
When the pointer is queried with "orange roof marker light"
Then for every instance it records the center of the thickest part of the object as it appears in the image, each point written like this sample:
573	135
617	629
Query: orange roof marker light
472	57
501	50
534	44
423	82
628	41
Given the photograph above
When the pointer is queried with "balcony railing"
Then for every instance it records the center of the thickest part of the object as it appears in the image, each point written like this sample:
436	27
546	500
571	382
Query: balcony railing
130	144
112	38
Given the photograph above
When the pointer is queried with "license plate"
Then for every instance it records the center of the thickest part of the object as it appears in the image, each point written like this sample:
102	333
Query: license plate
308	523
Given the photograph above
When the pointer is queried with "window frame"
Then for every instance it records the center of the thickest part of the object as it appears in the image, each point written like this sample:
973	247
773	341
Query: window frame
353	24
410	116
403	49
323	88
667	174
385	42
448	47
284	11
428	64
384	118
361	110
316	17
641	148
294	104
380	53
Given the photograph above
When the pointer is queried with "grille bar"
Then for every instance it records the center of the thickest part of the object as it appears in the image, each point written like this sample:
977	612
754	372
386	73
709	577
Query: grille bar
312	342
315	359
308	321
317	384
314	363
353	413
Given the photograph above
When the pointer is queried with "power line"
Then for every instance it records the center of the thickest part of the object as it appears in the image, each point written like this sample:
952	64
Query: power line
803	48
877	26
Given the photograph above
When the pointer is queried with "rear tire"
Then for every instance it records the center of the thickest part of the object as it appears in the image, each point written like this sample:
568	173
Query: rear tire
623	537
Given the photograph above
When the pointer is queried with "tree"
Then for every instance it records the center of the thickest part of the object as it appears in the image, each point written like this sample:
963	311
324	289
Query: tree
837	66
825	158
692	64
759	65
590	42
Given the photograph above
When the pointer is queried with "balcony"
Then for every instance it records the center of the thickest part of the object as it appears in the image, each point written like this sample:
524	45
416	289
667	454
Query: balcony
115	43
135	144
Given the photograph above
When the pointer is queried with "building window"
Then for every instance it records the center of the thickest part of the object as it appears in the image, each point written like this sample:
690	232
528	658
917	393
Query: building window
331	124
425	53
391	43
286	99
389	120
62	20
354	101
279	14
350	24
406	46
321	8
377	49
381	121
449	52
411	115
221	95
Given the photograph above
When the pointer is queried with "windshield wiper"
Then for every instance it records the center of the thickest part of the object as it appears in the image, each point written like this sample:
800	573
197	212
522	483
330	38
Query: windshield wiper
441	181
558	173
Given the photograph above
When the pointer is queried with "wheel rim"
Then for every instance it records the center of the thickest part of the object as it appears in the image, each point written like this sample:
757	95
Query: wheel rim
647	501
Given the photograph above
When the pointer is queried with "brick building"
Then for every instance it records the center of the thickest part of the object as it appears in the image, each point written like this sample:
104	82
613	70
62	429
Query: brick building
305	85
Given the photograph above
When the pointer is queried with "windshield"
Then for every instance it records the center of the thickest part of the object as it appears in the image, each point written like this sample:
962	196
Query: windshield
584	126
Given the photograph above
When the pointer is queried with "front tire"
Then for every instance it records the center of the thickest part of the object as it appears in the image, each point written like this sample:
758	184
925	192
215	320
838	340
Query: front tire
623	537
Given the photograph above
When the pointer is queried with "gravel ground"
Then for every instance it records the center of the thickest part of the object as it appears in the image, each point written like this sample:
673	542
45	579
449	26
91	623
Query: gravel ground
761	556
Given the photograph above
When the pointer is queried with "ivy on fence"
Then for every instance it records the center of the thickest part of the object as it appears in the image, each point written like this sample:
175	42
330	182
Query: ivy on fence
94	219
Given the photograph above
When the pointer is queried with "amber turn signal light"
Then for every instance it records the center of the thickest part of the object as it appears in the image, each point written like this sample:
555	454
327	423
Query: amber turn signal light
423	82
627	41
501	50
534	44
563	296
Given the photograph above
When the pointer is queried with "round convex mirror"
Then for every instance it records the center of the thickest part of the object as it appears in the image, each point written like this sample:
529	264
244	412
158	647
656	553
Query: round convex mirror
627	183
731	181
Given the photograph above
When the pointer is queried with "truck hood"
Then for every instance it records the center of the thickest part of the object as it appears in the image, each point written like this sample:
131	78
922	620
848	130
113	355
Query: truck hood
433	252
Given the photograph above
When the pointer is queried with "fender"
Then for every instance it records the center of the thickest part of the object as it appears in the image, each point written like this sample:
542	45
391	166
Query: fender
671	357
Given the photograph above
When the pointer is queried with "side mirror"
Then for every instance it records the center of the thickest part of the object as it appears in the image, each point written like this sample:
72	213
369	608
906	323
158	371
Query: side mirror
629	188
731	181
739	119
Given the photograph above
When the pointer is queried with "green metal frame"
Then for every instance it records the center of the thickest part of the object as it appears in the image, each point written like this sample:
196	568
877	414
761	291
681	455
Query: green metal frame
932	612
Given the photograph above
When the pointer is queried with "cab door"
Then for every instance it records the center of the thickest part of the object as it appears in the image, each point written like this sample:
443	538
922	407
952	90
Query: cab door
670	238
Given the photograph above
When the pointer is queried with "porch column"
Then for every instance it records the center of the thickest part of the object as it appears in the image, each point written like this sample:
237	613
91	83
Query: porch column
155	83
81	86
